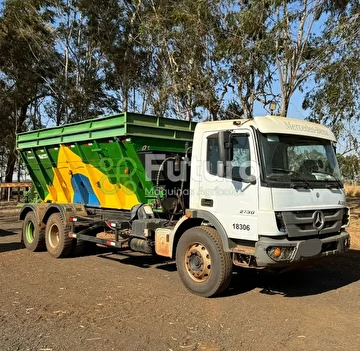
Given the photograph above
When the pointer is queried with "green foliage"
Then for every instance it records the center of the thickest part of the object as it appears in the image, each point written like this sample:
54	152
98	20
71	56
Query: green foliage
247	48
181	38
68	60
349	166
26	64
335	99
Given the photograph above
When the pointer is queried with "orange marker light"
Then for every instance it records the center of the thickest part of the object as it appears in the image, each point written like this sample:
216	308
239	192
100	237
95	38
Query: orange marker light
277	252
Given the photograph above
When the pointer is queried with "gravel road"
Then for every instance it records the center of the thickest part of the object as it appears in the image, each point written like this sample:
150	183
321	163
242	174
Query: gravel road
128	301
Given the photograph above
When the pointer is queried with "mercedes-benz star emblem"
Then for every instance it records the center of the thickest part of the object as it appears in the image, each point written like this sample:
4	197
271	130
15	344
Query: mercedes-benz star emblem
318	220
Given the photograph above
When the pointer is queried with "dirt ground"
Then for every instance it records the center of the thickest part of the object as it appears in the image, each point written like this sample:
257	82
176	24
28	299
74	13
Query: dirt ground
124	302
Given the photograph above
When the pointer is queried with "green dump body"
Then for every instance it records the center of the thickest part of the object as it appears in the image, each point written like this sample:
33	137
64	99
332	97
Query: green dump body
100	162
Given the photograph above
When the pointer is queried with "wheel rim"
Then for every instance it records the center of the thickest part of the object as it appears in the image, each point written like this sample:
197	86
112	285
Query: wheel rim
29	232
198	262
54	236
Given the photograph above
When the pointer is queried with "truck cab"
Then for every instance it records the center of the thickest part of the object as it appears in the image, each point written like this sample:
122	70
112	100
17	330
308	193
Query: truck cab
271	187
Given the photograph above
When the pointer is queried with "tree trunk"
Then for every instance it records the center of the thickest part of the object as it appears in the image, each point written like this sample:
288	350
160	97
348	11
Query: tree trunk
284	104
10	167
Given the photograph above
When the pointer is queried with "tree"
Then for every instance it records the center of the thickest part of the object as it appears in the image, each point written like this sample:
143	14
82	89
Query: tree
349	166
247	50
186	75
272	48
26	47
113	28
298	50
79	91
335	101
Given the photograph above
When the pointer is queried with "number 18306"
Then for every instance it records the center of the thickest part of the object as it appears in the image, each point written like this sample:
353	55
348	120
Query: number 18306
241	226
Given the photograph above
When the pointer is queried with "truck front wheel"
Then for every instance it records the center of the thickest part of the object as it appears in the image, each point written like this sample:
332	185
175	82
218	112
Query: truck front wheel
58	242
33	234
204	268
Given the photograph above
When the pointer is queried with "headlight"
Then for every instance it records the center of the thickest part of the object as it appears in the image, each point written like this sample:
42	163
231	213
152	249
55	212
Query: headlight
281	253
346	218
280	222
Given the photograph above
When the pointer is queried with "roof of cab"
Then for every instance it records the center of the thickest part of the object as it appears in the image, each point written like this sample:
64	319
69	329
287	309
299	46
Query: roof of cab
273	125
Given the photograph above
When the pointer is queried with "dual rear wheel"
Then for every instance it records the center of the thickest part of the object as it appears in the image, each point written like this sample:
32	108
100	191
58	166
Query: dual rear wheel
54	237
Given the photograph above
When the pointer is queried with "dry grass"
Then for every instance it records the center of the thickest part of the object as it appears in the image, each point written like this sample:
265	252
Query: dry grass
352	190
354	203
355	237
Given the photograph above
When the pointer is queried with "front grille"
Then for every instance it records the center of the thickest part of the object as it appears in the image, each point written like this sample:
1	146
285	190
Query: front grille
301	223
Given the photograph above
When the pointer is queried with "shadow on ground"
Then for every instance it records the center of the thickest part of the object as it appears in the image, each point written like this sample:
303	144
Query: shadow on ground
4	247
326	274
10	239
4	232
141	260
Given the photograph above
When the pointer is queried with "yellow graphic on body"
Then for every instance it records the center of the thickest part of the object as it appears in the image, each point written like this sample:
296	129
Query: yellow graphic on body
109	195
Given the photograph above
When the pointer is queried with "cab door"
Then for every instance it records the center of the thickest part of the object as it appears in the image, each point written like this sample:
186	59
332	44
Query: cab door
229	190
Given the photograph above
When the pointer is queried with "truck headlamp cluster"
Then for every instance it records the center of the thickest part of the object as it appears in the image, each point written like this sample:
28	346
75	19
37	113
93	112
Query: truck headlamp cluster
347	244
346	217
281	253
280	222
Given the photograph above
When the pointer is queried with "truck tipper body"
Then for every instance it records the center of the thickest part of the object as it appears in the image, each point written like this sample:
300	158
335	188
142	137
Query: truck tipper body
263	192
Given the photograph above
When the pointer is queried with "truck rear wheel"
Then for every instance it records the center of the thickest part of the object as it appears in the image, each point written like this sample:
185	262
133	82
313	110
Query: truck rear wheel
58	242
204	268
33	235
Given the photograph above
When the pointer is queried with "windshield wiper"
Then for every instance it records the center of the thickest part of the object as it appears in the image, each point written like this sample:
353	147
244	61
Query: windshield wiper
298	176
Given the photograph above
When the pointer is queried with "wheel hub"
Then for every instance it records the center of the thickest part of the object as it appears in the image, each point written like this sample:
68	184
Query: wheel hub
29	232
198	263
54	236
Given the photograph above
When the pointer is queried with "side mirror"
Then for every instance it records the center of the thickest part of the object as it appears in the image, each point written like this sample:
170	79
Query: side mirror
220	169
224	145
250	179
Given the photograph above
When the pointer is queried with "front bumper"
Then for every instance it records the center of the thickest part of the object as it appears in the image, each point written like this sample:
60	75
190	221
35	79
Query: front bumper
301	249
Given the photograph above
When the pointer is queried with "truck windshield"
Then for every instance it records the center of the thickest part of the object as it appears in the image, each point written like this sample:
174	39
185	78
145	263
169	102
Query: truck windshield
294	160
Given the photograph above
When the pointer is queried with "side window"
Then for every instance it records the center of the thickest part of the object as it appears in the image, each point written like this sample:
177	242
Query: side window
212	155
240	163
241	150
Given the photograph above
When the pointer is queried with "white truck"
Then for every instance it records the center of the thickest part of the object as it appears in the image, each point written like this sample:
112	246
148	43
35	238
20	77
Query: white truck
263	192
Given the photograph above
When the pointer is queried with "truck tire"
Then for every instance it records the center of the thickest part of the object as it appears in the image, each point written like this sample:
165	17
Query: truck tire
58	242
204	268
33	235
